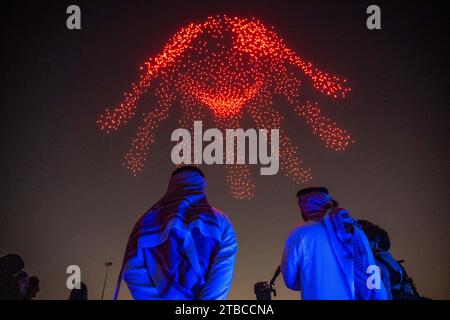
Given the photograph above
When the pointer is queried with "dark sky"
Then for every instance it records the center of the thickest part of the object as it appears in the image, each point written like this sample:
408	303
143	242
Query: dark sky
67	199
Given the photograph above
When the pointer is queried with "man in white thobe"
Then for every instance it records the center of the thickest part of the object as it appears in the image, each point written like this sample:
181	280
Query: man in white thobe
182	248
328	257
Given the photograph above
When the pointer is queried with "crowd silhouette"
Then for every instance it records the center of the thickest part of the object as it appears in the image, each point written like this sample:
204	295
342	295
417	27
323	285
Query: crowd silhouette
15	283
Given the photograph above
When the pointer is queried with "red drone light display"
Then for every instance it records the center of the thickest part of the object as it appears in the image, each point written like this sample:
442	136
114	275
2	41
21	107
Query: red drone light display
230	65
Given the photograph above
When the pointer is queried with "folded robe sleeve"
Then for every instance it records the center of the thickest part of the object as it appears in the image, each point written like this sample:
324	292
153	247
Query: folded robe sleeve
138	280
220	275
290	263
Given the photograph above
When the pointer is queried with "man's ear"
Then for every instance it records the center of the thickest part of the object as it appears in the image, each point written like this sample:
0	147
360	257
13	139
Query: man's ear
300	208
303	216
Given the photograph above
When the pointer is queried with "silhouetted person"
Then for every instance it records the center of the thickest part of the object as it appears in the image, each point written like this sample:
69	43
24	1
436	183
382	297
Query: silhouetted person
393	275
10	266
22	280
33	287
182	248
328	256
79	294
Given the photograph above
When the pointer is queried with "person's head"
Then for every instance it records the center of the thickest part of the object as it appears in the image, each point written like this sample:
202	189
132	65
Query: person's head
314	202
191	169
378	237
22	281
188	179
33	287
11	264
79	294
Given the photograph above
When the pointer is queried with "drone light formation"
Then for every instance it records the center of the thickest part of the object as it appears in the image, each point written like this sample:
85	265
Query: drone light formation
230	66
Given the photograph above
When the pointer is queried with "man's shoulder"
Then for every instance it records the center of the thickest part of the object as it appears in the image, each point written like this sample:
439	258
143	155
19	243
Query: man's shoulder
308	228
221	215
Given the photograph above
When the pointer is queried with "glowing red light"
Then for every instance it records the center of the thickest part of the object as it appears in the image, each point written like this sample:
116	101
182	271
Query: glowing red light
231	66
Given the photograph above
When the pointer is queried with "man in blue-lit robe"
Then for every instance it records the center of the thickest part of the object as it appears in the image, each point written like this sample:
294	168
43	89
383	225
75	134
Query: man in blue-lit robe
182	248
328	257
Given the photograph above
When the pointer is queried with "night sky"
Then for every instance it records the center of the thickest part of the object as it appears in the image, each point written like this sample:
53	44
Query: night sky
66	198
